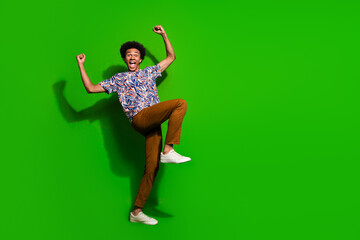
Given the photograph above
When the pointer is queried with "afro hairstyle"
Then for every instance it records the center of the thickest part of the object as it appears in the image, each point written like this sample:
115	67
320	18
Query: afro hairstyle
132	44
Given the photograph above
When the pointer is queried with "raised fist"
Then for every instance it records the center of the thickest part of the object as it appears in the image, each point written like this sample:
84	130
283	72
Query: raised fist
159	29
80	58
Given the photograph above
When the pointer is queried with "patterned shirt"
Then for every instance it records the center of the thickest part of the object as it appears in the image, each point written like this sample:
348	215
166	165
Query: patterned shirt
136	90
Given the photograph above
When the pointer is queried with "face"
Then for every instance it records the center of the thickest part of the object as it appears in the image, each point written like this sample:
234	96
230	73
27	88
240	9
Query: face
132	59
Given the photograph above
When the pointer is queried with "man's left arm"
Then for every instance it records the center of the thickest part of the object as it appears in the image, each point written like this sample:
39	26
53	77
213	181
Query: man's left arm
170	54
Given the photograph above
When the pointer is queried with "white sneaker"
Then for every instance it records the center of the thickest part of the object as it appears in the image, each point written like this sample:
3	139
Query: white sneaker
173	157
142	218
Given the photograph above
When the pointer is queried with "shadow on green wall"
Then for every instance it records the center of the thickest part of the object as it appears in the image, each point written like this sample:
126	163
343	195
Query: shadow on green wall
125	147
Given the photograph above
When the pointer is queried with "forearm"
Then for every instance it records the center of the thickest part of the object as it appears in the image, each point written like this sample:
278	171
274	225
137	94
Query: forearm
169	49
85	79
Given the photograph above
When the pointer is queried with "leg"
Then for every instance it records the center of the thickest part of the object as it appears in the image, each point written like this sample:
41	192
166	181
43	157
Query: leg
148	122
154	116
153	145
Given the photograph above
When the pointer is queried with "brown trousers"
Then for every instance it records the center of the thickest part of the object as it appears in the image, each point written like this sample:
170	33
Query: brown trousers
148	122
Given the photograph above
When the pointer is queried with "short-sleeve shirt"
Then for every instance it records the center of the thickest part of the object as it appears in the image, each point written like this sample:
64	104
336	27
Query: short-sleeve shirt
136	90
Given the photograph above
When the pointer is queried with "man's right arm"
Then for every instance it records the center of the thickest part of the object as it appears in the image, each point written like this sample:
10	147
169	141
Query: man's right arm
89	86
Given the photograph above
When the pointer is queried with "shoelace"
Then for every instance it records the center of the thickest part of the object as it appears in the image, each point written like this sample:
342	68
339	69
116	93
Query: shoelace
145	216
178	154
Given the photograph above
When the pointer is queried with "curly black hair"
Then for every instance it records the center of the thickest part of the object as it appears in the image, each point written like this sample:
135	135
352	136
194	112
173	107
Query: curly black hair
132	44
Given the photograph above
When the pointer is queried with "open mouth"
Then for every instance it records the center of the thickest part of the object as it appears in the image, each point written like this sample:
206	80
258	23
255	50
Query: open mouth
132	64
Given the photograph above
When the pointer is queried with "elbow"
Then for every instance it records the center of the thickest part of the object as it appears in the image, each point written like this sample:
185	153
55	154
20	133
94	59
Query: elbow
170	57
89	90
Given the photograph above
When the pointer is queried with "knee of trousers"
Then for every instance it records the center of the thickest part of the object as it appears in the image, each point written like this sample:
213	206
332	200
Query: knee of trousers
183	104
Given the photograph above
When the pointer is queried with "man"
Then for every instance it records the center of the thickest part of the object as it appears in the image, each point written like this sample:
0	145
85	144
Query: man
140	101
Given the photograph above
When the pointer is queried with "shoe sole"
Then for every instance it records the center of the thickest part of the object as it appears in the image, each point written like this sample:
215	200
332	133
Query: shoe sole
165	161
143	222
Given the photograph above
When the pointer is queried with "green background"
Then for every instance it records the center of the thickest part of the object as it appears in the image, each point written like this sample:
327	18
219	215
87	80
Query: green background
272	125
